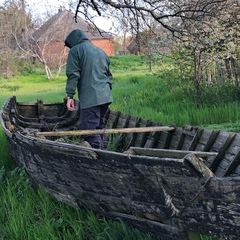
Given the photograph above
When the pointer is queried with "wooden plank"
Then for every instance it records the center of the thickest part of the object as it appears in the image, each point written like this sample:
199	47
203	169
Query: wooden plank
120	140
189	133
210	140
40	108
180	139
141	138
152	137
198	164
233	165
221	151
103	131
155	152
195	139
160	230
112	119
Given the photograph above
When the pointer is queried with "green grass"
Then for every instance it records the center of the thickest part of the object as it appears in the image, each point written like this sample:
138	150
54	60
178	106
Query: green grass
32	87
29	213
150	97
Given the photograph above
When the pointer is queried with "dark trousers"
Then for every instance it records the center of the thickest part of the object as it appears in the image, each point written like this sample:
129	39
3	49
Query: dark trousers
95	118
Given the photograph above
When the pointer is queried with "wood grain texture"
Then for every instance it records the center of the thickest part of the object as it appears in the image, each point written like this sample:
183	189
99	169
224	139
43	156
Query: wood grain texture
173	183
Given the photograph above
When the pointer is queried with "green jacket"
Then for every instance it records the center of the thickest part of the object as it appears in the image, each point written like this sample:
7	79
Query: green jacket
87	71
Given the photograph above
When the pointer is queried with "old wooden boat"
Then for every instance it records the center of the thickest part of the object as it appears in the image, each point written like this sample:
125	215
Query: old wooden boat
170	181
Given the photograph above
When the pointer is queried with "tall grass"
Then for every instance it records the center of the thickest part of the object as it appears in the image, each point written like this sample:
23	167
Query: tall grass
148	97
29	213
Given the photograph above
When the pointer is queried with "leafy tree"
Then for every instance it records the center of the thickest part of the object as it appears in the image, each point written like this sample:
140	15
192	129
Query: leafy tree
206	30
213	44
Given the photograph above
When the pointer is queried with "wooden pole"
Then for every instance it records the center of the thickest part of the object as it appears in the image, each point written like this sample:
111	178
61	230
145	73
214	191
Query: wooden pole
105	131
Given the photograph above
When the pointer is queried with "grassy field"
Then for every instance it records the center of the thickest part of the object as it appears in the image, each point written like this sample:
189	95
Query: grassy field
29	213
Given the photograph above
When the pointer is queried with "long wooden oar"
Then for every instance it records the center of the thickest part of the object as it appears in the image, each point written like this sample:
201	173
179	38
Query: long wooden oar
105	131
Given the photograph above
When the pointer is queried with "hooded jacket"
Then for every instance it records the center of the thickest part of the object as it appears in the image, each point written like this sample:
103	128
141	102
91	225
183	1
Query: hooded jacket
87	71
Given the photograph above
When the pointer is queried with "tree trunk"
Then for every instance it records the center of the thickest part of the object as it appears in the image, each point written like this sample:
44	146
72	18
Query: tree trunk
197	76
48	72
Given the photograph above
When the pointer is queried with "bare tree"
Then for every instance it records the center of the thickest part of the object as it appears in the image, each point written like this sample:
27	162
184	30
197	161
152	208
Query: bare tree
13	24
137	12
19	46
45	52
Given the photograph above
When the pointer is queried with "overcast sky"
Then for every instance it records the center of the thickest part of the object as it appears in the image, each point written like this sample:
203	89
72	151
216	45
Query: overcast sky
39	8
52	6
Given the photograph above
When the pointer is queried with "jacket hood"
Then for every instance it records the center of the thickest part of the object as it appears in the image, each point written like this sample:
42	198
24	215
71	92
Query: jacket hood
75	37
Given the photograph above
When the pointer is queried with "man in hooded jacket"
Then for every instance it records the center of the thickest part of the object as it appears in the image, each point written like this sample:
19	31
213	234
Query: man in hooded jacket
88	72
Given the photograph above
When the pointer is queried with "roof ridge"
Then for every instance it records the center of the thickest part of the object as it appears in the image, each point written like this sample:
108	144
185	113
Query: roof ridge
62	23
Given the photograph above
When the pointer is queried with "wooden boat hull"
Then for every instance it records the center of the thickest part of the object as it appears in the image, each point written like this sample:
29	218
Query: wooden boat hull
160	185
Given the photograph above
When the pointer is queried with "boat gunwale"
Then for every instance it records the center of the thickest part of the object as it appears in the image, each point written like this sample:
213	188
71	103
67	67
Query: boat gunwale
72	146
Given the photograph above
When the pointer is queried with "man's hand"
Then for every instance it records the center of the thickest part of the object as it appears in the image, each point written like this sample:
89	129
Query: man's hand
70	104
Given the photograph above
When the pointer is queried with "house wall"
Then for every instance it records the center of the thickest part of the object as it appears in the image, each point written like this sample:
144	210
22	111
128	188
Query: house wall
55	53
107	45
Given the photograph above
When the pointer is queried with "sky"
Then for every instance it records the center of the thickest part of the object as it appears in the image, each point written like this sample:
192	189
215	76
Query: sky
40	7
52	6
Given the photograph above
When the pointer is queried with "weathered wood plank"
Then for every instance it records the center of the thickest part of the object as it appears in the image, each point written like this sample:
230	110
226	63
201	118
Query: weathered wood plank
177	139
156	152
112	119
152	137
209	140
233	165
189	133
195	140
225	143
104	131
164	231
129	138
198	164
141	137
229	163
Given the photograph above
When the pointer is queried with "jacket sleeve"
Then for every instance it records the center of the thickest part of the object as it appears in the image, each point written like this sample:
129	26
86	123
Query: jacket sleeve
72	72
